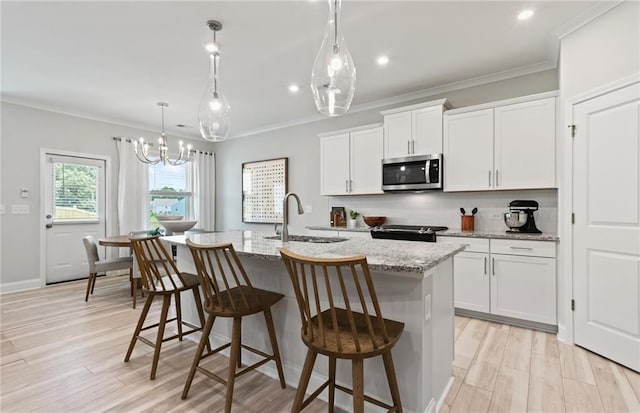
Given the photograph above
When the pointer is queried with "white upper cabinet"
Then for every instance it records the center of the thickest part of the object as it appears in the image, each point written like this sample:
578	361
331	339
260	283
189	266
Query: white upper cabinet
334	164
350	161
468	151
501	145
525	145
414	130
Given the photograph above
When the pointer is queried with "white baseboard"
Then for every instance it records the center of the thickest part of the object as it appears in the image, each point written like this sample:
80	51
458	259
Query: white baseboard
431	407
20	286
442	398
563	334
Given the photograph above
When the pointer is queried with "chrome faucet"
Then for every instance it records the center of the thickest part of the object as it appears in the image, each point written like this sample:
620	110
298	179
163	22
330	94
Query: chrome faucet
285	210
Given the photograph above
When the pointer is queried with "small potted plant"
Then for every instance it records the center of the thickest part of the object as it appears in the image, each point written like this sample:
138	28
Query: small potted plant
353	216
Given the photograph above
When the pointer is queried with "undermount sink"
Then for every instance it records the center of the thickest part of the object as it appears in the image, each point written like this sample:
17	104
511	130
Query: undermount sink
309	238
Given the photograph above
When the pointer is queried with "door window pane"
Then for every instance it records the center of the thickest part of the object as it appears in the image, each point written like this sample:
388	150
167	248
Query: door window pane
75	193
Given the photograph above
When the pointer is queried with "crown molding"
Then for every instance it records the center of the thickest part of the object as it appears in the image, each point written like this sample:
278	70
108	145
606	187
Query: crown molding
403	98
585	18
87	116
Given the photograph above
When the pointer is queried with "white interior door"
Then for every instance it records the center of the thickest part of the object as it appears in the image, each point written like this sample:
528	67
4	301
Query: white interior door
74	207
606	202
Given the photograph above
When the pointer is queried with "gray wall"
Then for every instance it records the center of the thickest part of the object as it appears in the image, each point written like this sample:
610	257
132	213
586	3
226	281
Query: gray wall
301	145
24	131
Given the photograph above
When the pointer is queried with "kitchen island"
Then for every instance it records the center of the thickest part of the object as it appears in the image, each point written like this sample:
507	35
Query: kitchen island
414	284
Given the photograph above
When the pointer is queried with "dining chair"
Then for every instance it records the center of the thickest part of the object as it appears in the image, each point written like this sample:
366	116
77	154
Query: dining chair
98	266
161	278
328	292
229	293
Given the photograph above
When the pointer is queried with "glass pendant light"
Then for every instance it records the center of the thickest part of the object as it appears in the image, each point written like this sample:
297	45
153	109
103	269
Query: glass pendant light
333	79
214	111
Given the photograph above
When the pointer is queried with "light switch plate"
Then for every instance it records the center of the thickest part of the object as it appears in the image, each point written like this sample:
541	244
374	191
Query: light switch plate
20	209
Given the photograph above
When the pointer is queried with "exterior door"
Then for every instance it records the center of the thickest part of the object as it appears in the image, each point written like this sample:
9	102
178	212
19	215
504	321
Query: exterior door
606	233
74	207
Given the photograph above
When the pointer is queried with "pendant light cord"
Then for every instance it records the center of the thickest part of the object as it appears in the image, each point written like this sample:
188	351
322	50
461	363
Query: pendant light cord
335	19
215	65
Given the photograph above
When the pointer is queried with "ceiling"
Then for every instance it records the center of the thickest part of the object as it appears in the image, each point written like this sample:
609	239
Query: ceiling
114	60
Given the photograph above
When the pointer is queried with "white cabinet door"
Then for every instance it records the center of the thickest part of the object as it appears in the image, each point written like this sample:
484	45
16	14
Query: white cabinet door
366	157
468	151
525	145
397	135
334	165
427	130
524	287
471	281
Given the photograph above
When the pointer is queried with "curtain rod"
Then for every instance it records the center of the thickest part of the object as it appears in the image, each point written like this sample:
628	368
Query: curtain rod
129	140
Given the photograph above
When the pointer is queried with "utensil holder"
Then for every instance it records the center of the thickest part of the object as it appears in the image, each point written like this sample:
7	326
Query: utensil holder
467	222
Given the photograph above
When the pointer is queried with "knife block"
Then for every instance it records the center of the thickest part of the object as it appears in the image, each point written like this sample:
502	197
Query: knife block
467	223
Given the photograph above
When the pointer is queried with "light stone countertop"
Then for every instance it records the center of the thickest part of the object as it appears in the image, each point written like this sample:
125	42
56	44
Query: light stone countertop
545	236
412	259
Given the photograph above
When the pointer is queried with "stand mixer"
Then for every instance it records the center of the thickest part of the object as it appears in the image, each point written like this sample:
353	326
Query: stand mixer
520	217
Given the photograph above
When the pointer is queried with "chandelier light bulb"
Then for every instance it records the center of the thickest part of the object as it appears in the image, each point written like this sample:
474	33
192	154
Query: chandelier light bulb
214	118
333	78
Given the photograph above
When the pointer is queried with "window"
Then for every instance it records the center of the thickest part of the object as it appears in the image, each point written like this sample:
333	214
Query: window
169	191
75	191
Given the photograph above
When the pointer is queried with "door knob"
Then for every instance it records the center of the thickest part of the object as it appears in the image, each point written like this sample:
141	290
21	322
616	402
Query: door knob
49	226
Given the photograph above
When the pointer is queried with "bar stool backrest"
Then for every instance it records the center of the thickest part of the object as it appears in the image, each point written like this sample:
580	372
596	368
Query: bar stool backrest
156	264
223	278
326	284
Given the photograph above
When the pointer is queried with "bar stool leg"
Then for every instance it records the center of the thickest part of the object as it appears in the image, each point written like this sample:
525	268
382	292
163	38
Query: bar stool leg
179	315
357	373
233	360
309	361
274	346
166	303
198	303
204	340
391	378
143	316
332	384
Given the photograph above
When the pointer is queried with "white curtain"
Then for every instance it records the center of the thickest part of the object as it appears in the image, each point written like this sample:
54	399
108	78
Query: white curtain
133	190
204	193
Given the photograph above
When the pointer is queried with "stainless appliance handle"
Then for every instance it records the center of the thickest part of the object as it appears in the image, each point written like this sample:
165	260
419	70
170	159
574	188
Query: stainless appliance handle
485	265
426	171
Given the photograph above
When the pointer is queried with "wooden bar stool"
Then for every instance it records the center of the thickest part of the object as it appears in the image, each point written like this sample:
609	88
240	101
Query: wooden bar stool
320	286
229	293
160	277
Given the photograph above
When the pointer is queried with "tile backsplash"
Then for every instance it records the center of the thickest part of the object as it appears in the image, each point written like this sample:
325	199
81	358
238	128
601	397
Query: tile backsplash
443	208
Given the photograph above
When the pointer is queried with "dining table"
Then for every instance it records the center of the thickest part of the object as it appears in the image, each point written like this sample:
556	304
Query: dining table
121	241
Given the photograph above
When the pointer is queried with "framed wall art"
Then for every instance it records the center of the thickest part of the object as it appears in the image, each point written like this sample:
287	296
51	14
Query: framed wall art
264	184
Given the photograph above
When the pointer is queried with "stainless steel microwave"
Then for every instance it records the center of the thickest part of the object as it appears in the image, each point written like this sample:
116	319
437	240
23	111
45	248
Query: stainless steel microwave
413	173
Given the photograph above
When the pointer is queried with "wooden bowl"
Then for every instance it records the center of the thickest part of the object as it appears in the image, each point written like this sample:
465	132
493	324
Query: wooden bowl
374	221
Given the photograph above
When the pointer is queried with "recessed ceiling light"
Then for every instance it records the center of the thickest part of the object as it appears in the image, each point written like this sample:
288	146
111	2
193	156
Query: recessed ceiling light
525	14
210	47
293	88
382	60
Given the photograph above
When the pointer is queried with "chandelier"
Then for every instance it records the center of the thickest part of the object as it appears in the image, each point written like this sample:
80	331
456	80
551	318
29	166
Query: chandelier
333	78
214	111
141	148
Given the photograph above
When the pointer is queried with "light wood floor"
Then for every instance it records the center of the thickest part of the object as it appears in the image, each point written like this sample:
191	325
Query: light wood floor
60	354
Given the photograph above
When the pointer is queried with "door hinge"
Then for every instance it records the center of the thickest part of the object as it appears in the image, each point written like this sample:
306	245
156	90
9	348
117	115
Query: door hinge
573	130
573	305
573	218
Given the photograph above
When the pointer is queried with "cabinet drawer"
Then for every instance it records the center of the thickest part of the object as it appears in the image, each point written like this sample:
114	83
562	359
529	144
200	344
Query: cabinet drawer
472	244
526	248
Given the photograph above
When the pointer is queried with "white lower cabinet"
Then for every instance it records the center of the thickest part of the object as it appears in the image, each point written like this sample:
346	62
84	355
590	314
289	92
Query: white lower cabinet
524	287
471	281
513	284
